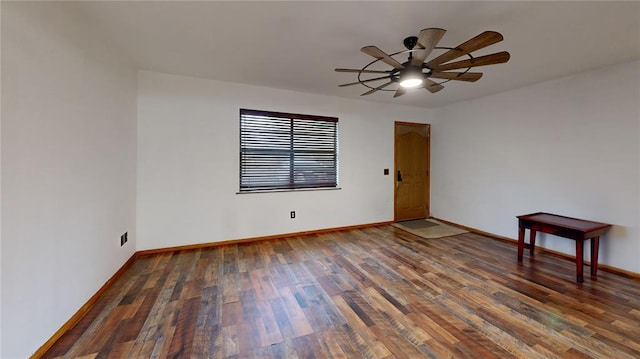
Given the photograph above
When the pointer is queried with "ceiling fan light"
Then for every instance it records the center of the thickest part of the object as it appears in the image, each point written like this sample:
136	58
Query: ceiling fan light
411	82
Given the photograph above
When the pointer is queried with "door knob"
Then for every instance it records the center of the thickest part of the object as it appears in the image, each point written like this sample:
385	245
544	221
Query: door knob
399	176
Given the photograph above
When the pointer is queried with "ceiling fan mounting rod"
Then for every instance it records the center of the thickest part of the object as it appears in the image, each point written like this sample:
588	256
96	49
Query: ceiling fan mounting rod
410	42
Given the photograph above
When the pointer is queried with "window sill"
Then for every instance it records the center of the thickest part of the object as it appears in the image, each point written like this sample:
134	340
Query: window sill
291	190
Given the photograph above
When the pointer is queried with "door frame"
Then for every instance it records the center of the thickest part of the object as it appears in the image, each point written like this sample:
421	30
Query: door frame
395	167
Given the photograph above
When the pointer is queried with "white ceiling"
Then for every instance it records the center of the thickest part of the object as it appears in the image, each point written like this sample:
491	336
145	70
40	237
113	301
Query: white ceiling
297	45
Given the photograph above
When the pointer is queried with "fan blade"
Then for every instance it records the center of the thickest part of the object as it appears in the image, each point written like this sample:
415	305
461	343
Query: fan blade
483	40
363	71
460	76
428	38
432	86
369	80
381	55
400	91
377	88
497	58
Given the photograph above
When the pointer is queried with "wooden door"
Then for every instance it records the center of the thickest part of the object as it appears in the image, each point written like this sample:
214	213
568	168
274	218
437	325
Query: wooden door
412	171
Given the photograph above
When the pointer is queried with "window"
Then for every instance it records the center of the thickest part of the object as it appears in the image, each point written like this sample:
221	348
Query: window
287	151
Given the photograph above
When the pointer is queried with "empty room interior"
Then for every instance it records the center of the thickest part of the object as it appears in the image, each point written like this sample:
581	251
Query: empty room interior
260	179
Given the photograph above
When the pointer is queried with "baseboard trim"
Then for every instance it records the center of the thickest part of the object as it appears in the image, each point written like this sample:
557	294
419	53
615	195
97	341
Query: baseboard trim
150	252
87	306
477	231
75	318
552	252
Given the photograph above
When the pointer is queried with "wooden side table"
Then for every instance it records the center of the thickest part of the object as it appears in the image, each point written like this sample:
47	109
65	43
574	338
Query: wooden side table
573	228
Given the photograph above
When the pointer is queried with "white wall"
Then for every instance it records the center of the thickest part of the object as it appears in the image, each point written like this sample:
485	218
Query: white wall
0	187
569	146
68	165
188	169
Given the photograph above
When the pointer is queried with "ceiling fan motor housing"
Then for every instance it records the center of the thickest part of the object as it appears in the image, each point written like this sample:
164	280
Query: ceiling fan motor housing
410	71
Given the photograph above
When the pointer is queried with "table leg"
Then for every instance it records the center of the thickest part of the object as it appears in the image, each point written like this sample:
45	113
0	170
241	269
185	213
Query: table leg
595	241
532	241
579	260
520	243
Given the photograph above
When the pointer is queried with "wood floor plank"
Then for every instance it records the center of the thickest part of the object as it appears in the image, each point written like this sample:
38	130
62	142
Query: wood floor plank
374	292
182	339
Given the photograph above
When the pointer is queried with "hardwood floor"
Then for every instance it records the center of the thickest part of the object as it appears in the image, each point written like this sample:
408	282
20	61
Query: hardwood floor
368	293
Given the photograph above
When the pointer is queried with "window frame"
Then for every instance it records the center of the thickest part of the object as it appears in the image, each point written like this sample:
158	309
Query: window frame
298	124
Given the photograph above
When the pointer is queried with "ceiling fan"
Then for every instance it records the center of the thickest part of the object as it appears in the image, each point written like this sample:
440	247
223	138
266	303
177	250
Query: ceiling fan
418	71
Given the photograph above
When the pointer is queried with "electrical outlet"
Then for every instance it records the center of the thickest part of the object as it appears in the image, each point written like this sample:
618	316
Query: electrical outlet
293	214
122	240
